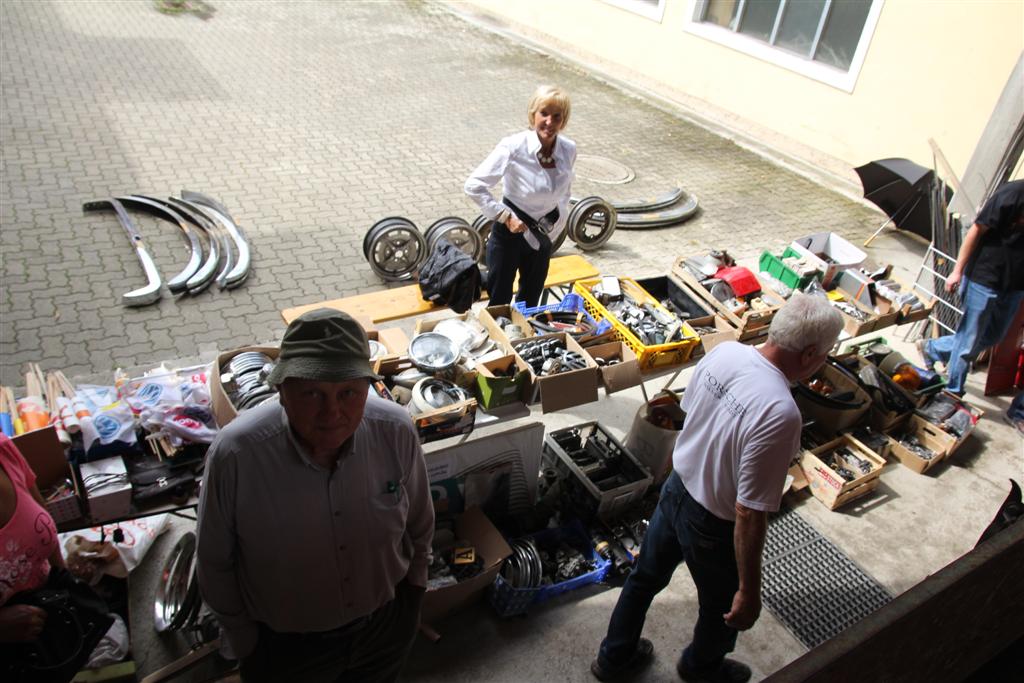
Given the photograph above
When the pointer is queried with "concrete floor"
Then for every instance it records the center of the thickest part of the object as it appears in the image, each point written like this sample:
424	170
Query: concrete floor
311	121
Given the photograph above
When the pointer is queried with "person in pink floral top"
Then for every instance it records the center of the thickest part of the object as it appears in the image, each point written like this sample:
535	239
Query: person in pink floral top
28	545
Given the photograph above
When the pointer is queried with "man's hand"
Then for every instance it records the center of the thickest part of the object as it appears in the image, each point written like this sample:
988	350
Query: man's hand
953	280
21	623
745	610
515	225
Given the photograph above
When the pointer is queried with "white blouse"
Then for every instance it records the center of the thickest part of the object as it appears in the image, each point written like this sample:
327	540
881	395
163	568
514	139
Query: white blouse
533	188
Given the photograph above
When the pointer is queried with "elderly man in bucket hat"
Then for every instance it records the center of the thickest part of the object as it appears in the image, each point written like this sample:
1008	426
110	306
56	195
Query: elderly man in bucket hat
315	519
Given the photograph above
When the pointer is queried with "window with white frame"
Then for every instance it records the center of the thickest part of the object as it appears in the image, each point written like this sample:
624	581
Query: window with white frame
824	31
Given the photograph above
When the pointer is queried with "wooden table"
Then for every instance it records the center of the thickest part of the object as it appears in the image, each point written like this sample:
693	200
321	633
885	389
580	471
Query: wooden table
404	302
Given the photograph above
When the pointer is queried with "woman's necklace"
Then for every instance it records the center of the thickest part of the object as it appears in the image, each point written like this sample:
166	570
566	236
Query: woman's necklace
547	160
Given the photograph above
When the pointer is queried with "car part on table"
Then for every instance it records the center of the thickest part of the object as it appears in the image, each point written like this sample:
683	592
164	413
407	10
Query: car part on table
431	392
237	275
377	349
244	377
650	324
469	335
151	292
591	223
394	248
433	352
574	323
459	233
179	282
177	599
550	357
207	272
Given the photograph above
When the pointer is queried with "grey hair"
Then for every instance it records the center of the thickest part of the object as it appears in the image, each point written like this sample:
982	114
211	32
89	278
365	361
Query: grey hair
804	320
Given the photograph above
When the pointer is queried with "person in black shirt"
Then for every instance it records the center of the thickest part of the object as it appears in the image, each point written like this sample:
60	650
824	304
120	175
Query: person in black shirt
989	271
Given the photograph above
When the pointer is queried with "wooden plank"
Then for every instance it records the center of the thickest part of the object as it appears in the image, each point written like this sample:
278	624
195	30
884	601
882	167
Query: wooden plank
404	302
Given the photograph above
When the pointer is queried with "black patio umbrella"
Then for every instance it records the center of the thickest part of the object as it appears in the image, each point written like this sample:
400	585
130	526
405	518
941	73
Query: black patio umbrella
904	191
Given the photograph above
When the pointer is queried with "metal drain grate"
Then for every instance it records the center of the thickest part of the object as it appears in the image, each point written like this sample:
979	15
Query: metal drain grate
810	585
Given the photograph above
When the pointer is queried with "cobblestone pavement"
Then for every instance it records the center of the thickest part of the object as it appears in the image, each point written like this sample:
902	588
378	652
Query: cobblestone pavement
309	121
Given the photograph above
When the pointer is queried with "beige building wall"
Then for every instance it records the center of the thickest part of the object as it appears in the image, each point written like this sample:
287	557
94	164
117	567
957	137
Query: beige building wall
932	69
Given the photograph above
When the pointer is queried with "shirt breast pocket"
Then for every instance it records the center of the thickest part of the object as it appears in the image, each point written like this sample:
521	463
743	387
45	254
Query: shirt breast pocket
388	513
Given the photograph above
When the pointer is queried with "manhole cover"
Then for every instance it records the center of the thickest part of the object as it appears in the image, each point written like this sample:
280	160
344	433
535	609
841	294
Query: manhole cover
602	170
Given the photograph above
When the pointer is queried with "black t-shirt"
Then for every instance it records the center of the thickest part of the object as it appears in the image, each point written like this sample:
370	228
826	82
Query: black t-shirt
999	258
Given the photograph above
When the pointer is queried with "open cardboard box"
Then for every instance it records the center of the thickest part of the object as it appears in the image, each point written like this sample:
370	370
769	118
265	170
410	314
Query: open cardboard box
564	389
928	435
487	317
750	324
493	390
830	252
44	453
621	375
224	410
439	423
827	485
488	543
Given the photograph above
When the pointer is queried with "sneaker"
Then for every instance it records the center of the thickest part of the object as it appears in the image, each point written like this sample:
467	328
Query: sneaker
640	658
729	671
928	363
1016	424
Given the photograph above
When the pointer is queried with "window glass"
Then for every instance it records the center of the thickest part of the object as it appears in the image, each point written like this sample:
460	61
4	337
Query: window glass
842	32
722	12
759	18
799	25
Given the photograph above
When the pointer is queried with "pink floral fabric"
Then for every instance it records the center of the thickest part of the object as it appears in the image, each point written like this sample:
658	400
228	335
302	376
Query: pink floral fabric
29	537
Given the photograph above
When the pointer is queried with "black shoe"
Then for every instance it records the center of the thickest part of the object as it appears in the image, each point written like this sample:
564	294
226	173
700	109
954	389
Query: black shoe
639	659
729	671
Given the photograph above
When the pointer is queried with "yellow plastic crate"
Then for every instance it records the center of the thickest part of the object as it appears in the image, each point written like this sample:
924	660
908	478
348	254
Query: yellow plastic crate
652	357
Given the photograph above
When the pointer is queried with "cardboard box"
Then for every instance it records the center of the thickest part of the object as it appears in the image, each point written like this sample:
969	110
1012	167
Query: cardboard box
831	252
474	527
487	317
880	417
439	423
882	449
224	410
564	389
493	390
750	324
975	413
108	493
725	331
929	435
827	485
829	419
45	455
623	374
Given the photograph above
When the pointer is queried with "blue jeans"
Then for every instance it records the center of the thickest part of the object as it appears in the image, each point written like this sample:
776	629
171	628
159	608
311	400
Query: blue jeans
1016	410
987	316
681	530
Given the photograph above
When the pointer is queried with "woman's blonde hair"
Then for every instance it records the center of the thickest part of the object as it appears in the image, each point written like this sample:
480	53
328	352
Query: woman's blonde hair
545	95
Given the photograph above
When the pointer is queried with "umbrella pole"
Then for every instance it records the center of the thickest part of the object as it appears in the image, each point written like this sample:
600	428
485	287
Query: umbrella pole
877	232
897	212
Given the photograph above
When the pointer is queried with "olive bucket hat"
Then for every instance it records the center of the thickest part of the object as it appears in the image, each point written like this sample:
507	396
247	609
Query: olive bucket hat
323	345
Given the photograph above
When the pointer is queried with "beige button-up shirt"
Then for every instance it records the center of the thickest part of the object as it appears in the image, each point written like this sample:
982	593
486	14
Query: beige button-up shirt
301	548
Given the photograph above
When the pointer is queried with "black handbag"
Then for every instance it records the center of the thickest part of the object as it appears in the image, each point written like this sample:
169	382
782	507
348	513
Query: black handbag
76	620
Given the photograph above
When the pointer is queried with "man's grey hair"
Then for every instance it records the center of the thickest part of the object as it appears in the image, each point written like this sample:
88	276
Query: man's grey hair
804	320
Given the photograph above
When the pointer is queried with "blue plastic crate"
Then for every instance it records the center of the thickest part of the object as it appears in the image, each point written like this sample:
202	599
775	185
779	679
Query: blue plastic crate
509	601
572	302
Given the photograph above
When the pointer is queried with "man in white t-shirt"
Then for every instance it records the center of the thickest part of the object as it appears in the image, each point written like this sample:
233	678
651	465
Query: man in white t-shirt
742	429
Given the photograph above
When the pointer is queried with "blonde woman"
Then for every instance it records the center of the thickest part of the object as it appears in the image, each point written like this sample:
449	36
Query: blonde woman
535	168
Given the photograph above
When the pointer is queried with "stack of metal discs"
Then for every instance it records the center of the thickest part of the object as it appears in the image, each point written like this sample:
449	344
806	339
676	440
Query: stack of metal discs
245	379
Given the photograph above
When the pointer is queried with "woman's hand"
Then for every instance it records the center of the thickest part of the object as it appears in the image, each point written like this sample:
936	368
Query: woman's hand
515	225
21	623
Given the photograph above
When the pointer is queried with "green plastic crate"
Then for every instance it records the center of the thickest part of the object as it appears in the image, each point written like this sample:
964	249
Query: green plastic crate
774	266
